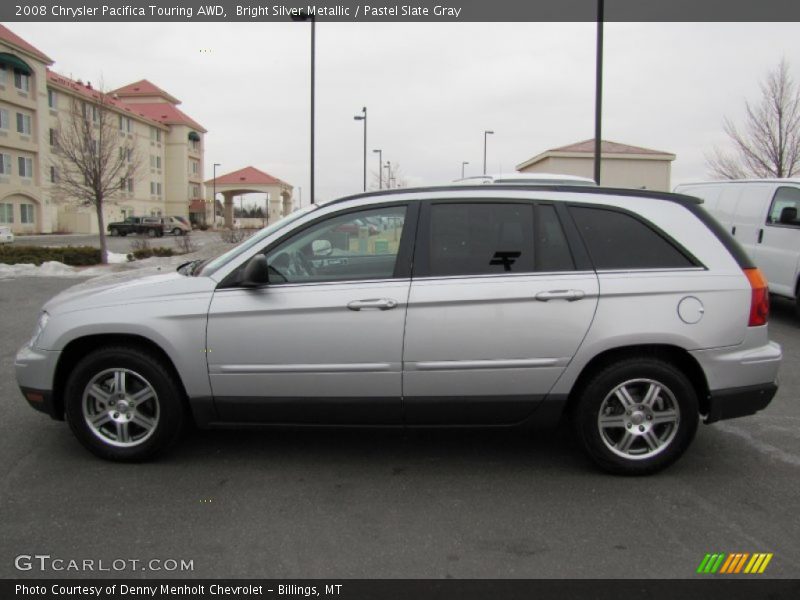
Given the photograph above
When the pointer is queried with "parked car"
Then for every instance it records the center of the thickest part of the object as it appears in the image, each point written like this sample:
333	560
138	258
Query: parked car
177	225
632	313
763	215
151	226
6	236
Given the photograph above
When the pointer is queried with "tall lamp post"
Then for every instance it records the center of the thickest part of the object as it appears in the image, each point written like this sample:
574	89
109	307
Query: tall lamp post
463	164
389	175
380	168
214	198
363	117
598	94
303	15
485	133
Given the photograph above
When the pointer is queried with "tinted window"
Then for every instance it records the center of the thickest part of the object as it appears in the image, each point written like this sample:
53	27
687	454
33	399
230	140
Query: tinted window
785	207
619	241
552	251
356	245
479	239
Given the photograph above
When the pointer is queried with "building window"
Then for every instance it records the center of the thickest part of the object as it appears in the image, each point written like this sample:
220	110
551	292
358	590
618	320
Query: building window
158	189
5	164
124	124
25	167
53	175
22	81
155	188
52	99
155	134
3	75
4	118
24	124
195	145
53	137
194	190
6	213
130	184
195	166
26	213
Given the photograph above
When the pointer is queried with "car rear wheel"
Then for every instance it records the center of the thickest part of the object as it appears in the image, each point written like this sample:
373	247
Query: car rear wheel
636	416
177	231
123	405
152	232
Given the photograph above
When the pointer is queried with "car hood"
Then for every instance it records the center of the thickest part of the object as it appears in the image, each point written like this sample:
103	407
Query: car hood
127	288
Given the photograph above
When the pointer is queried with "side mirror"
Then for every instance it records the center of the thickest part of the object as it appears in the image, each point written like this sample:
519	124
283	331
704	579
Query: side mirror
256	272
321	248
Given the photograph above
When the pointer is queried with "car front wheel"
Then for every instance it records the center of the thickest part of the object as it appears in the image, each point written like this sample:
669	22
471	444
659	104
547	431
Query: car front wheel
123	405
636	416
177	231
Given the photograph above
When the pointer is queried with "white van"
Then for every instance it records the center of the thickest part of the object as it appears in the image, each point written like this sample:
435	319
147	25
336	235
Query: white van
762	214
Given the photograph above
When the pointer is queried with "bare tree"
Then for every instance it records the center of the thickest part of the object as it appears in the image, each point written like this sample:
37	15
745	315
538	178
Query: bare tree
94	160
397	179
769	143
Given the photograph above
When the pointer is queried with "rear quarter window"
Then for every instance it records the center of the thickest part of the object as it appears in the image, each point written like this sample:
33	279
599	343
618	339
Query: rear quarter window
617	240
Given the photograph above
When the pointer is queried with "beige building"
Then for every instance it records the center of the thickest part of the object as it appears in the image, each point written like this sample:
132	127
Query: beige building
621	165
35	101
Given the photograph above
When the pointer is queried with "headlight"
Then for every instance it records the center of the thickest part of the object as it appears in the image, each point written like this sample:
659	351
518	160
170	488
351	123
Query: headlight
40	325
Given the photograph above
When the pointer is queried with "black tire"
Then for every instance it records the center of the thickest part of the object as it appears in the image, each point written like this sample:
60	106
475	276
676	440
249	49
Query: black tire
123	233
642	439
177	231
152	232
165	409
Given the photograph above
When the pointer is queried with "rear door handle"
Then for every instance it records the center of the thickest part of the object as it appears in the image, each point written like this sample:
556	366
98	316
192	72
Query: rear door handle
760	235
374	303
568	295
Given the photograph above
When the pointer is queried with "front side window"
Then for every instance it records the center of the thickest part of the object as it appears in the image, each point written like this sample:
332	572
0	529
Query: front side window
480	239
356	245
785	207
617	240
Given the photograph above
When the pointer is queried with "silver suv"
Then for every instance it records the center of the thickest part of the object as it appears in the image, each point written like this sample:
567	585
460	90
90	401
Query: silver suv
633	313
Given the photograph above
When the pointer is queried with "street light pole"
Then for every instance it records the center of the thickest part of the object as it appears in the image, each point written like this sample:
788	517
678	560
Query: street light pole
380	168
485	133
214	187
363	117
389	176
463	164
598	94
303	15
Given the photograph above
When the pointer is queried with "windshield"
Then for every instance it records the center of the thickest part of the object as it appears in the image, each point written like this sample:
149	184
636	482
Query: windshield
215	263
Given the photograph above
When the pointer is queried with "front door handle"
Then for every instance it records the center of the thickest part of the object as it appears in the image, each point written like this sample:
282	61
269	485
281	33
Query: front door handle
568	295
375	303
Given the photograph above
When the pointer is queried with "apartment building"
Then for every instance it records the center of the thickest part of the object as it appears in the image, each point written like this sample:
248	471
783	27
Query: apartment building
35	101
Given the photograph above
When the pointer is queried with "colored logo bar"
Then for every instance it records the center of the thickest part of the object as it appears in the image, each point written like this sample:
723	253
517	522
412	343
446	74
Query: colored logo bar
735	563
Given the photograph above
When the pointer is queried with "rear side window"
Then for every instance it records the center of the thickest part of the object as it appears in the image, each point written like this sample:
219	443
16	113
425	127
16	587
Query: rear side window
480	239
616	240
785	207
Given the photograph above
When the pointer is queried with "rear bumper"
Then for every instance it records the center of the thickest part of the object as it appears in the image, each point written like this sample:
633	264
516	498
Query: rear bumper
739	402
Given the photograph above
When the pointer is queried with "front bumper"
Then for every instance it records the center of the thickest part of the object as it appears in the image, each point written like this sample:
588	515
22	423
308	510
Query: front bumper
35	370
739	402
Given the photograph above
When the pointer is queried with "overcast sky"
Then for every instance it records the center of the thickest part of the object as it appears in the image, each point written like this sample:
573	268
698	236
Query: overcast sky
431	89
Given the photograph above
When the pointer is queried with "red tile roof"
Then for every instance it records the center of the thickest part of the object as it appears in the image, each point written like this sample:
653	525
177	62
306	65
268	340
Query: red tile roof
90	93
12	38
165	113
143	87
606	147
247	175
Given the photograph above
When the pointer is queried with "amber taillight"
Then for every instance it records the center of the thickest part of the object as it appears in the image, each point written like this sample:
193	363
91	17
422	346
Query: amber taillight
759	299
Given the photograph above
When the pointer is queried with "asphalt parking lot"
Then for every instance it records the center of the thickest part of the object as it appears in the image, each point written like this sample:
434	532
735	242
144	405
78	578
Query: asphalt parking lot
347	504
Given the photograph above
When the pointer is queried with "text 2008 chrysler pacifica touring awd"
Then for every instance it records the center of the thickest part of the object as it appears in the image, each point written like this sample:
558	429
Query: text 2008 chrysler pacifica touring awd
633	313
